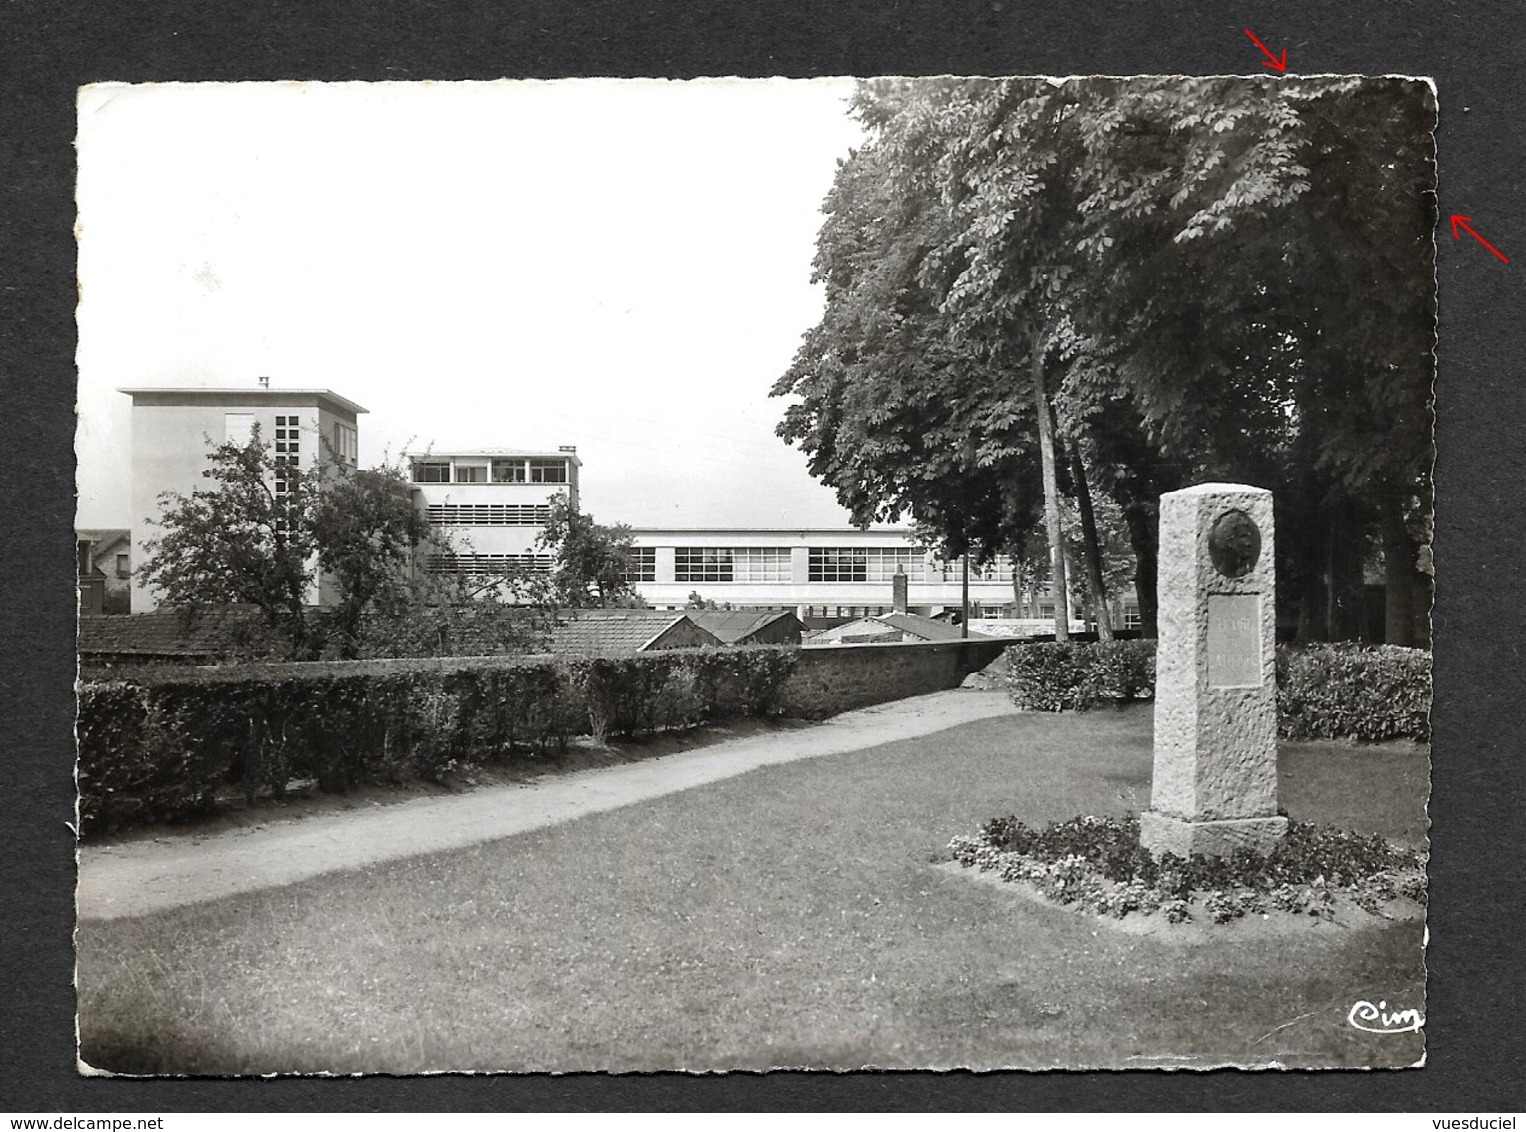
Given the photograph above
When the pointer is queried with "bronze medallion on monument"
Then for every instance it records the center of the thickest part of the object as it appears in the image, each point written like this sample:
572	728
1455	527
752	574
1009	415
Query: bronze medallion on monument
1234	544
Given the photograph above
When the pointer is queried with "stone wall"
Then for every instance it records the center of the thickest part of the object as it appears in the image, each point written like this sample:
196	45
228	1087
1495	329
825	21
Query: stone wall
833	678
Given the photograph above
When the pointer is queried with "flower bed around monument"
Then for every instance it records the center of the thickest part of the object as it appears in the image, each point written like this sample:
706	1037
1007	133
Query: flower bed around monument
1098	864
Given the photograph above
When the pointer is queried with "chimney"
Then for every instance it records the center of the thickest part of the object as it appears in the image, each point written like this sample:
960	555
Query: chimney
898	591
264	383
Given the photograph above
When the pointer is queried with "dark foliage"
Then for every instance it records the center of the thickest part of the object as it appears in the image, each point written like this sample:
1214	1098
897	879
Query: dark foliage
1334	691
1078	676
163	745
1099	862
1368	692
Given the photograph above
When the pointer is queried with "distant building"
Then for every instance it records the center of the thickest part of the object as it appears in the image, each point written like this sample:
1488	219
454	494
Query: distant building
105	570
621	631
890	628
831	573
749	626
492	503
173	430
817	572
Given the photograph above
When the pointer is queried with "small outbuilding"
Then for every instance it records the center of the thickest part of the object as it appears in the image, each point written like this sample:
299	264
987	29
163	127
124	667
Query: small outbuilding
890	628
750	626
619	631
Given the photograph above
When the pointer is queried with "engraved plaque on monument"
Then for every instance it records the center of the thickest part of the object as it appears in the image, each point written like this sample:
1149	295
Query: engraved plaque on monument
1234	641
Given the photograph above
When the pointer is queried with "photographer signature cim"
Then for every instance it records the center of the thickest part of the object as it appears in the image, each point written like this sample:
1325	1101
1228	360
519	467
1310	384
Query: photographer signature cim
1364	1014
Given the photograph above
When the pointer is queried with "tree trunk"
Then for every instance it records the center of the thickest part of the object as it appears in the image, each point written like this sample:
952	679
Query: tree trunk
1304	545
1037	351
1144	540
964	595
1348	544
1406	600
1100	611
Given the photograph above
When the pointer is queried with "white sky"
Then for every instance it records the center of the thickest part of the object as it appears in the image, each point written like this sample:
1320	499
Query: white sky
619	265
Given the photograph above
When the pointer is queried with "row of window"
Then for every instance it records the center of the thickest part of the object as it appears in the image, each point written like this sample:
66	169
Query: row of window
824	564
866	564
238	428
512	470
288	446
346	445
718	564
482	565
488	514
641	564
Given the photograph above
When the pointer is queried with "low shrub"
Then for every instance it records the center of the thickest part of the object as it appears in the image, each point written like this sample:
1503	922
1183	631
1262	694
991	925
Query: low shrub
1353	691
630	695
1076	676
162	745
1368	692
1100	864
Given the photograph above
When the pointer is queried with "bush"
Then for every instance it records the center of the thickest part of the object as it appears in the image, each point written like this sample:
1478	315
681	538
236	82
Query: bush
1352	691
1370	692
1077	676
162	745
629	695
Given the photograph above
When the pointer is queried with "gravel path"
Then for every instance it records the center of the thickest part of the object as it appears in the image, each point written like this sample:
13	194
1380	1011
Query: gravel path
133	879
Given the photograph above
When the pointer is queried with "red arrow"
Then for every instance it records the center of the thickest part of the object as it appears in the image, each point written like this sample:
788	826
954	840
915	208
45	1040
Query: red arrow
1272	61
1462	222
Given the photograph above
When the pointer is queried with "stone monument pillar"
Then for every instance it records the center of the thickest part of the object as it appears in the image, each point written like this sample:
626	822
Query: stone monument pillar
1214	787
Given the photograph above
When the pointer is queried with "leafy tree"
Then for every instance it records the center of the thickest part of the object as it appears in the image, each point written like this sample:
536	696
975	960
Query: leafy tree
592	560
1172	266
248	538
895	413
263	531
368	533
371	538
453	615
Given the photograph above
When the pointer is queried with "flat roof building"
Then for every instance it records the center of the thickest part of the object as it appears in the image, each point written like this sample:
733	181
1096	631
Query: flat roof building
174	430
491	503
816	572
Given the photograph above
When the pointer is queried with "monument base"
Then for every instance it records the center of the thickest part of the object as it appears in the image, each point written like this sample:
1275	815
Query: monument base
1162	834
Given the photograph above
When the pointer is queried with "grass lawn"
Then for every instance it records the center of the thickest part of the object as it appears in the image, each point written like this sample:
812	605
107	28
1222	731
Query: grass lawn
792	916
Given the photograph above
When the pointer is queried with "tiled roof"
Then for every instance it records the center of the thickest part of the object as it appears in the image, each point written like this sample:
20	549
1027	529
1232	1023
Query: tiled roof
854	632
164	633
625	630
890	625
104	536
733	625
924	627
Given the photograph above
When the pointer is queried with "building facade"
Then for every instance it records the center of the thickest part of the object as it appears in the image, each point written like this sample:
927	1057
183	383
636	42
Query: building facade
105	570
491	504
174	430
821	572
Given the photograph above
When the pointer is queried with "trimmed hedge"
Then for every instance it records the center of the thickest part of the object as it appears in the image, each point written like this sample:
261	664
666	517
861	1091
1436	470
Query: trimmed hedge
1078	676
1370	692
1334	691
162	745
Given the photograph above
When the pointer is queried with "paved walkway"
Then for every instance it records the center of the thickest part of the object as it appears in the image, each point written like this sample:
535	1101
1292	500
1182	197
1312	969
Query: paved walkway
136	878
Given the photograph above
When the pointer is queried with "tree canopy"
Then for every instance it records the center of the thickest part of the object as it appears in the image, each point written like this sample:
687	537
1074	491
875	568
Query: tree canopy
1202	279
247	538
592	561
264	530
